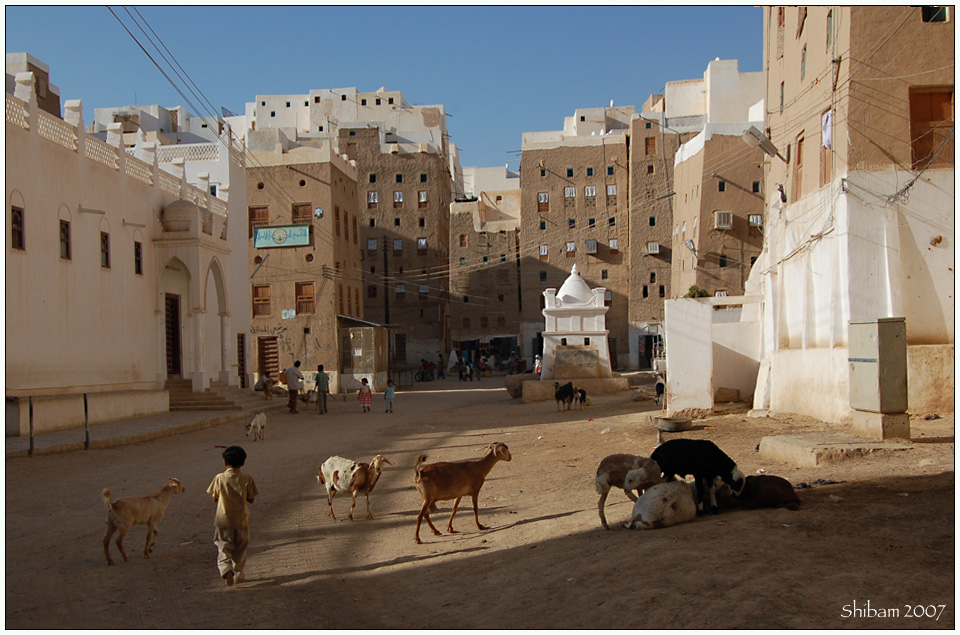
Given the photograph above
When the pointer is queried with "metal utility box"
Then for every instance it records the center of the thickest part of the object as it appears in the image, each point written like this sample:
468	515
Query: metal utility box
878	365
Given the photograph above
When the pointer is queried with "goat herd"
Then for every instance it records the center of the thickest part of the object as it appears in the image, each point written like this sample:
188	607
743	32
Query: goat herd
660	501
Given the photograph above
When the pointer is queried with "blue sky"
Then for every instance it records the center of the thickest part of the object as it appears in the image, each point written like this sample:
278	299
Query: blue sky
499	71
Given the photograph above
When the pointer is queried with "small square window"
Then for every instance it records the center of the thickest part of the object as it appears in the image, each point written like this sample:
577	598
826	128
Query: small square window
273	113
933	14
649	169
543	276
569	172
423	177
396	222
648	125
543	172
500	297
373	177
342	98
503	257
420	222
591	223
663	291
486	258
363	102
721	186
378	101
609	170
653	221
756	187
463	261
543	224
603	274
263	103
373	222
572	223
288	104
589	171
612	221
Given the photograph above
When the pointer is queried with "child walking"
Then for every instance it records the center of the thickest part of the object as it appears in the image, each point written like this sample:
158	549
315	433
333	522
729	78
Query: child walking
364	396
390	394
232	490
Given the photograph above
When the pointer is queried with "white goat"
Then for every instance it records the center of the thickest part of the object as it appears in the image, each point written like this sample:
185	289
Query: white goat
613	471
257	424
340	474
665	504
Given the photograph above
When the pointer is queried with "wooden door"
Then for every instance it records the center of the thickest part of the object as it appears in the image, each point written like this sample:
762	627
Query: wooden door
268	356
172	322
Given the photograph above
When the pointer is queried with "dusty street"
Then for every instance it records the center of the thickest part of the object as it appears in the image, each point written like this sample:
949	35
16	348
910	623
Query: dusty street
885	535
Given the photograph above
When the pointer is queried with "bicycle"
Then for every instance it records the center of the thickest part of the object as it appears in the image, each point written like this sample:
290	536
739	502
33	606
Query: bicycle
422	375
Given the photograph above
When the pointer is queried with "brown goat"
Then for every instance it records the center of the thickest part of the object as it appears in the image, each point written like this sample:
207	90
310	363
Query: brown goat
447	480
124	513
340	474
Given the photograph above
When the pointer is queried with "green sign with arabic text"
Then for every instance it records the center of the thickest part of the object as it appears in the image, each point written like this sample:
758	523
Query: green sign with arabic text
281	236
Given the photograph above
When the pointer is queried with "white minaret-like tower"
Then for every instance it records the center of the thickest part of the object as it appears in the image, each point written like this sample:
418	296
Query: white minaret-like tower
575	335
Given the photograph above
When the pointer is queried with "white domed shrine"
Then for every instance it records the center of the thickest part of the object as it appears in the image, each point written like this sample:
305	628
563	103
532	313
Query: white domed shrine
575	335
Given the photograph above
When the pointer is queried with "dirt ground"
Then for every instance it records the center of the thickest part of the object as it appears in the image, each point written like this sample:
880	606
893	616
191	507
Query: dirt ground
882	540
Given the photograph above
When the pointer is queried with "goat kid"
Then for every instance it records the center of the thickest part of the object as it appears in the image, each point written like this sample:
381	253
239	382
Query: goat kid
447	480
124	513
704	460
257	424
563	395
614	470
340	474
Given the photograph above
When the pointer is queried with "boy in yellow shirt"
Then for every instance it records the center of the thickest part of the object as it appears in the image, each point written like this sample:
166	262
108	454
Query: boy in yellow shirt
232	490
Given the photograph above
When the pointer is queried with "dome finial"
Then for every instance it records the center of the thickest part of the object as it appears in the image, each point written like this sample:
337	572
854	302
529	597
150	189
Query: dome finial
573	271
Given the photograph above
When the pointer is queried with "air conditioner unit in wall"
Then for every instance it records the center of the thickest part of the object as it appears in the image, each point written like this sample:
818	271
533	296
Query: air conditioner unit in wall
723	220
653	248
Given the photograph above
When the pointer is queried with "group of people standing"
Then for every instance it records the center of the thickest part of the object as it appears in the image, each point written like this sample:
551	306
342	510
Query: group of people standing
294	379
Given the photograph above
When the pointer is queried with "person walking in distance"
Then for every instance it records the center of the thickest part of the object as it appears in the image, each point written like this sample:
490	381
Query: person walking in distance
294	384
322	382
440	373
232	490
364	396
390	394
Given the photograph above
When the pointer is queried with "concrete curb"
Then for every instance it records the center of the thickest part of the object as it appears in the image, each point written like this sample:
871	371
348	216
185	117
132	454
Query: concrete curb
97	444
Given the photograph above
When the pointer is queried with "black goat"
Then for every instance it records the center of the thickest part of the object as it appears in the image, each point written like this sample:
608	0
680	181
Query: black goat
564	395
704	460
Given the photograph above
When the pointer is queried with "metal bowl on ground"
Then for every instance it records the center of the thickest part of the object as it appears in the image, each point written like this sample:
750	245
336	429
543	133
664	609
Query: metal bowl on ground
673	424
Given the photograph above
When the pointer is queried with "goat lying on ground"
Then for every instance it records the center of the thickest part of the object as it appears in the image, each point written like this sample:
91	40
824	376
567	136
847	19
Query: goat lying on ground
704	460
663	505
454	479
124	513
340	474
764	490
257	424
563	395
613	471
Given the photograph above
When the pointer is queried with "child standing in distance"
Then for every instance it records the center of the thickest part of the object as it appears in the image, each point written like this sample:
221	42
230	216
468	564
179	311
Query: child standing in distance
232	490
390	394
364	396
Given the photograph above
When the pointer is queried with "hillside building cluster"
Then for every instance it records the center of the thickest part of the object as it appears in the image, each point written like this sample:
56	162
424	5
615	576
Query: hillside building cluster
338	227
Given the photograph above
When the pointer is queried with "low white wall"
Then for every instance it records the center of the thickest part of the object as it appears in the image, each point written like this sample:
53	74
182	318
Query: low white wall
813	382
66	411
689	348
930	379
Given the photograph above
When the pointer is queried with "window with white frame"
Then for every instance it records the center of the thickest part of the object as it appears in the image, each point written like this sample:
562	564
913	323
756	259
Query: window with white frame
373	198
422	246
591	245
372	245
571	249
614	245
723	220
543	201
397	199
401	290
570	192
397	246
755	220
611	190
422	198
543	252
590	190
653	248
